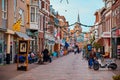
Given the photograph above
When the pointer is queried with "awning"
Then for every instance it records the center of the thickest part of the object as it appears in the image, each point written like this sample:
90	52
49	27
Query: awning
23	35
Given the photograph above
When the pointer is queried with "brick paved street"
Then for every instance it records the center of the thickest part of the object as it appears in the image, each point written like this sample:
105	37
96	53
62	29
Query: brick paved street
9	71
70	67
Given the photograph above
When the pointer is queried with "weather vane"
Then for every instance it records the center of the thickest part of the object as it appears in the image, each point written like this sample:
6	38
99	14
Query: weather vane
66	0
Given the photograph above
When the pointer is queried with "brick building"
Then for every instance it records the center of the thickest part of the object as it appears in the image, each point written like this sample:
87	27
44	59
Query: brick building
12	11
115	28
107	21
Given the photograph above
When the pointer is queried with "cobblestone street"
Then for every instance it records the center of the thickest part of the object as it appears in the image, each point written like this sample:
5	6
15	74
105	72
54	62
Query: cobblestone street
69	67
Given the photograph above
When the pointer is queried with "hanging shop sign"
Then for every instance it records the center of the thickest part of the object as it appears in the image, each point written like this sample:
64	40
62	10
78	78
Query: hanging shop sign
106	34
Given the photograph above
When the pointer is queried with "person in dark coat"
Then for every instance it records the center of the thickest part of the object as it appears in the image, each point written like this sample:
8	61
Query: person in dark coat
78	50
46	56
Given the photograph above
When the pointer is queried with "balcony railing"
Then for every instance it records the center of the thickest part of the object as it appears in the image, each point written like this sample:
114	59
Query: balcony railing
34	26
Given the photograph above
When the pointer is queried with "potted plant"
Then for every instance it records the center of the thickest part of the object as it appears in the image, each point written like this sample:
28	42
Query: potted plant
116	77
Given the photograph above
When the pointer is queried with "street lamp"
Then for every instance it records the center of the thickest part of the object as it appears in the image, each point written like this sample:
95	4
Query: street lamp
66	0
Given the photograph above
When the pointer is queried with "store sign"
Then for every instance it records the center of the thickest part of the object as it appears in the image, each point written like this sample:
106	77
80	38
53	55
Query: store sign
118	32
106	35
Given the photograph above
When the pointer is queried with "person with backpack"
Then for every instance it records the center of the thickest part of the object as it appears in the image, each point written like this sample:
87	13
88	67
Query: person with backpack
92	55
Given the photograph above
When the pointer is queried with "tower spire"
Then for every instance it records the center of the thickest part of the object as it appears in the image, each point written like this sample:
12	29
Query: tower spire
78	18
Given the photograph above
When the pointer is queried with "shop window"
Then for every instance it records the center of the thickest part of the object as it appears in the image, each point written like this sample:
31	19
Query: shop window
1	48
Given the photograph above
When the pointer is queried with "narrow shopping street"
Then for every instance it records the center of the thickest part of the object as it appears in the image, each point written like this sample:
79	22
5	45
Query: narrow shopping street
33	32
69	67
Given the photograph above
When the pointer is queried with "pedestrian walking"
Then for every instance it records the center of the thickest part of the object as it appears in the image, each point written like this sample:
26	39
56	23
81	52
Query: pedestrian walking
83	53
75	50
92	55
78	50
40	58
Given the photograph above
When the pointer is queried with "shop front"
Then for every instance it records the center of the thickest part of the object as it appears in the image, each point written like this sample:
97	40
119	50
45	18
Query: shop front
116	43
2	47
100	41
15	44
40	42
106	38
50	42
9	46
34	43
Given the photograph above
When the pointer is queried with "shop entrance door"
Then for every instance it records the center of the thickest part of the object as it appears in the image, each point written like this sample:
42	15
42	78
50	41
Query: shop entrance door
1	51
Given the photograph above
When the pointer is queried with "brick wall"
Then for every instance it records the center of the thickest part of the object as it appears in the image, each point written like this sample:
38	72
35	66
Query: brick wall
0	14
20	5
116	14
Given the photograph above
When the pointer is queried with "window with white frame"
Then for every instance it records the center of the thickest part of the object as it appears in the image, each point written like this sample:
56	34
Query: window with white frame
15	6
15	9
37	14
39	4
21	13
4	9
34	14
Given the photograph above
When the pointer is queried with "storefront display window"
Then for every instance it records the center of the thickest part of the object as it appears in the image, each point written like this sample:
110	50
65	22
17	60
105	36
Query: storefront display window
1	48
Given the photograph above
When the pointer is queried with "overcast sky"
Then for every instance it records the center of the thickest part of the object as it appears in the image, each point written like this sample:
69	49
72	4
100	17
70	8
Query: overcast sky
85	8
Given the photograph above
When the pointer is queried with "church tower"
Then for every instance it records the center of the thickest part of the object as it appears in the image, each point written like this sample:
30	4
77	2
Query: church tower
77	27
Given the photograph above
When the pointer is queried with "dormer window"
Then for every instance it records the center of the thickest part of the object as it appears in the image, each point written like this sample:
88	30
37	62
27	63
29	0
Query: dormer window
108	3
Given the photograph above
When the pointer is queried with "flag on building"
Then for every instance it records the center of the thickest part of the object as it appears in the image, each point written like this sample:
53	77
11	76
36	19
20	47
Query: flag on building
16	26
